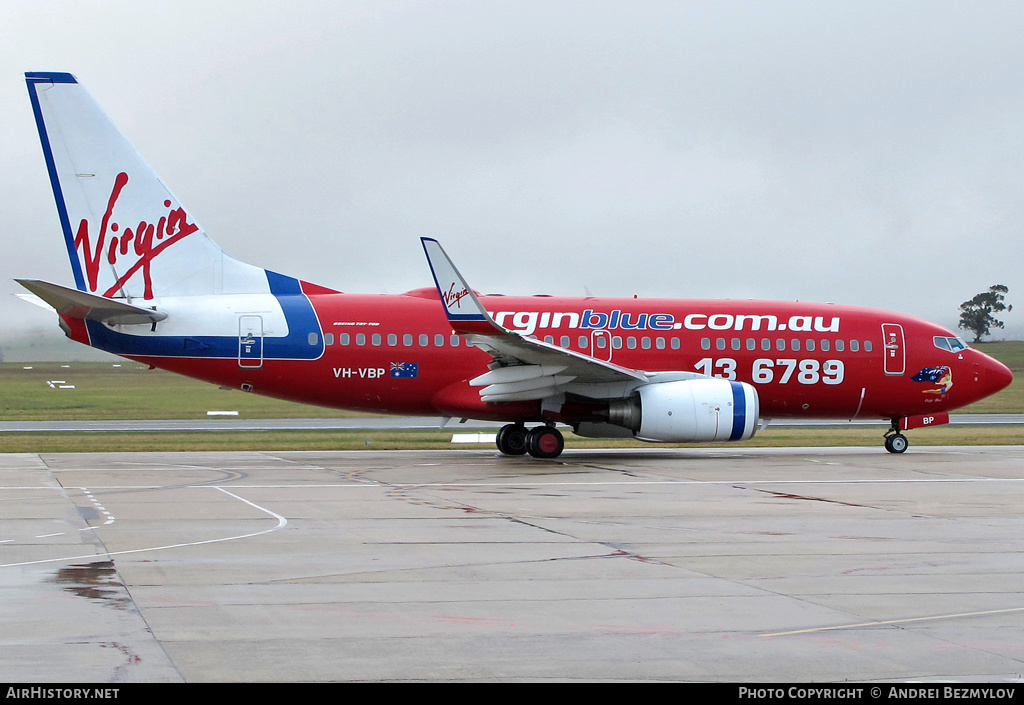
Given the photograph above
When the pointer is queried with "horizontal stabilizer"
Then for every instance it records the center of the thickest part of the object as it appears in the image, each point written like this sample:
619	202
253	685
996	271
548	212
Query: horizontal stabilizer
79	304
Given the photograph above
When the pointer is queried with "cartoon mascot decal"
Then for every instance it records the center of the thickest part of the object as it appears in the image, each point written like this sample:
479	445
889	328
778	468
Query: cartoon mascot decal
942	377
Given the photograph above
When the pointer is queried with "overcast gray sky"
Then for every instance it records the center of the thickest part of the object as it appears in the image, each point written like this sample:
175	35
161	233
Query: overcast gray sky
869	153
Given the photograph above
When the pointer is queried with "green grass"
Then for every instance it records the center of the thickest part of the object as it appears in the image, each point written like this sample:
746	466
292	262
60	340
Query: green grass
132	391
129	391
1011	399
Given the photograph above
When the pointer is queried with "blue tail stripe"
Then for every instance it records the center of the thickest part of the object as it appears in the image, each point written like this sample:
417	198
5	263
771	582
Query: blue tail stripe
31	80
298	310
50	76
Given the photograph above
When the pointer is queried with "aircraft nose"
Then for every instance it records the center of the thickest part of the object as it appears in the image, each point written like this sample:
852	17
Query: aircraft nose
996	376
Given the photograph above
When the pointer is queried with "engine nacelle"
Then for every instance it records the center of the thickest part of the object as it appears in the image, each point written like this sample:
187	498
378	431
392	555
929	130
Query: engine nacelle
687	411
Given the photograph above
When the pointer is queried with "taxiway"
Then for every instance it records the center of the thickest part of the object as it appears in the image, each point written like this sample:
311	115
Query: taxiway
229	423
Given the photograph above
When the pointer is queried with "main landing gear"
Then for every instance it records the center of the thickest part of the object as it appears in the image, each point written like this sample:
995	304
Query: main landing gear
896	442
540	441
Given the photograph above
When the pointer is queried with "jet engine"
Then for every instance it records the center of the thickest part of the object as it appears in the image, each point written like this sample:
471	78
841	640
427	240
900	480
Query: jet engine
685	411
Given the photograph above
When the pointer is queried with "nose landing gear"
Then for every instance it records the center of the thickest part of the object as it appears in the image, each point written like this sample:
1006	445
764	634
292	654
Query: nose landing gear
896	442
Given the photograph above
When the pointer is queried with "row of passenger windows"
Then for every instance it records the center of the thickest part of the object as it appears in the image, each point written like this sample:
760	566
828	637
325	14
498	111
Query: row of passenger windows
377	339
782	344
631	342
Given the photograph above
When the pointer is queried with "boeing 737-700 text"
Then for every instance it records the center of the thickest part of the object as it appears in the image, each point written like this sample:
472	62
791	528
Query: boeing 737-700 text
150	285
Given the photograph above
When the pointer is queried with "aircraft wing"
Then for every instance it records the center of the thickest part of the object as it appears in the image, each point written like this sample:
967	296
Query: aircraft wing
523	367
79	304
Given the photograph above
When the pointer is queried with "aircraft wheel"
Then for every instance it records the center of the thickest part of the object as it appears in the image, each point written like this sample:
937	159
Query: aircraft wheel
511	439
896	443
545	442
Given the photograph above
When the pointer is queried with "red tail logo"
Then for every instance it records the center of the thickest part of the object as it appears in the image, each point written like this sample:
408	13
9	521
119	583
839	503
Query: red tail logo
143	243
453	299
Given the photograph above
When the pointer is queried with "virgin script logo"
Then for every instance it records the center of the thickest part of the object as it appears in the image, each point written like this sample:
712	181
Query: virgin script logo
136	247
453	299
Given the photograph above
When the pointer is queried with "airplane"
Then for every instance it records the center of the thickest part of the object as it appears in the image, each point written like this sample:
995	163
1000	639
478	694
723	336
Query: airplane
151	286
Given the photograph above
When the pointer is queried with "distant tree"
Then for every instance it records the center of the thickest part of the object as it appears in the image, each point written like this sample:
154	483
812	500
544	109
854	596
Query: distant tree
976	314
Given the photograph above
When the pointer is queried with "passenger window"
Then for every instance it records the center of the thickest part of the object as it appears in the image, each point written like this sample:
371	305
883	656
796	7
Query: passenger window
375	339
854	345
867	346
360	339
645	343
392	339
720	343
454	340
676	344
795	345
660	343
407	340
424	340
328	338
766	344
810	346
582	340
840	346
565	341
438	340
705	343
631	342
343	339
826	346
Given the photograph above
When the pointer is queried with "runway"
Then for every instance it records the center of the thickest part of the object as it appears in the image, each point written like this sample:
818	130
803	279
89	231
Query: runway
736	565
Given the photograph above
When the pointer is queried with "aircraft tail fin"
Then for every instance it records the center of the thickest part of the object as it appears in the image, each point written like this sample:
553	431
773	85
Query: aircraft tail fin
126	234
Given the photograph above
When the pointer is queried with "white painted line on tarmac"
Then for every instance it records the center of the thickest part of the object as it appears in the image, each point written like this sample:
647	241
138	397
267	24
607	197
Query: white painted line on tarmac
281	523
862	625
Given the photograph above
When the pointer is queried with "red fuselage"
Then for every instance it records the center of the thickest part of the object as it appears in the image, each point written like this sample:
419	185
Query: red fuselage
805	360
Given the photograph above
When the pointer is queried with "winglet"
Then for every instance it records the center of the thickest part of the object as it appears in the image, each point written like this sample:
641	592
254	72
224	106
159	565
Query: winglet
463	309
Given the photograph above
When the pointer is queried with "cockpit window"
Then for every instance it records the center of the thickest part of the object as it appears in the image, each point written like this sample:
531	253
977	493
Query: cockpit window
952	344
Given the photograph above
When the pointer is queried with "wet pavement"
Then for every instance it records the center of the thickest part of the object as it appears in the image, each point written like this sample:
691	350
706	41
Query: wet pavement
652	564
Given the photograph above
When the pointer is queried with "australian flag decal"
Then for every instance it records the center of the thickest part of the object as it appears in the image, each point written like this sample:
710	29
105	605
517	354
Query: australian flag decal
931	374
407	370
